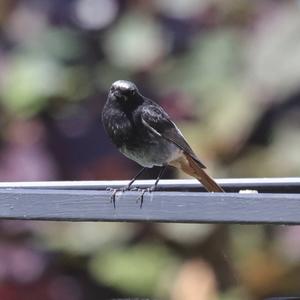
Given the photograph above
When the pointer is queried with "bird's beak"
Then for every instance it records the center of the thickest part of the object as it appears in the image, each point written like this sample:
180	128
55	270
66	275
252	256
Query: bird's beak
117	94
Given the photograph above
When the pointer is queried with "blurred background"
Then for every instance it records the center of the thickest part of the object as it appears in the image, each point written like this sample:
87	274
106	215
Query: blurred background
228	73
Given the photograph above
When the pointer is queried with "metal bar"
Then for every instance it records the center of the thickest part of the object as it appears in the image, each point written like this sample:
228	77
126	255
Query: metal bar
182	207
264	185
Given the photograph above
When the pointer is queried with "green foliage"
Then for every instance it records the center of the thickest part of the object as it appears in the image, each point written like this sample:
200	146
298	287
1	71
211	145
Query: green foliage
135	270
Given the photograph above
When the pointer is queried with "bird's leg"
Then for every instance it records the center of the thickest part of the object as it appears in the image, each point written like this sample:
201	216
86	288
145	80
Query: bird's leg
125	188
152	188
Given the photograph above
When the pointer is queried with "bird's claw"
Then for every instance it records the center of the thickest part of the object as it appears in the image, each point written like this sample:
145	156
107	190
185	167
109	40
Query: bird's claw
128	188
116	190
113	196
141	196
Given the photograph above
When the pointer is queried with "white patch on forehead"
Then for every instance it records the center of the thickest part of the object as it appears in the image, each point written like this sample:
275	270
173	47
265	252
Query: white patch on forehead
123	84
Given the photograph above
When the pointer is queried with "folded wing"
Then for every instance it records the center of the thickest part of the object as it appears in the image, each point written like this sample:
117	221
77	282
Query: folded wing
157	121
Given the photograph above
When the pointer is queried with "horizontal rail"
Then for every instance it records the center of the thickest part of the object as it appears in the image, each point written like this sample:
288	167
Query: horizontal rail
89	201
264	185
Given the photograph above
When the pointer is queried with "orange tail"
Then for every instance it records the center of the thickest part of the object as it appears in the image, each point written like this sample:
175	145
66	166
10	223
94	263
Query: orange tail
188	165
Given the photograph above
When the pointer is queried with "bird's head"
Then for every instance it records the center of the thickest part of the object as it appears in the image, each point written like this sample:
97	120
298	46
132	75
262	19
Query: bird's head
123	91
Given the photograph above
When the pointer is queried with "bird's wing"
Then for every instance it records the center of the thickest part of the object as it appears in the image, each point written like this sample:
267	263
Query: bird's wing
157	121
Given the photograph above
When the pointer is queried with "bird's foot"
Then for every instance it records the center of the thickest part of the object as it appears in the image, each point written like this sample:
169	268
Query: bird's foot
116	190
141	196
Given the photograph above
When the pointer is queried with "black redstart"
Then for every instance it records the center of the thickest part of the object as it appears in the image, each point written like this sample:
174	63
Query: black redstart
144	132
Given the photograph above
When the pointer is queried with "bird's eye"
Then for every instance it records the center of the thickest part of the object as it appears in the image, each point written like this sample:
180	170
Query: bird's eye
132	91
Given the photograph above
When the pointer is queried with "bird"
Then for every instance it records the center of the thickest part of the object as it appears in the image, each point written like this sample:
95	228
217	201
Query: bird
143	131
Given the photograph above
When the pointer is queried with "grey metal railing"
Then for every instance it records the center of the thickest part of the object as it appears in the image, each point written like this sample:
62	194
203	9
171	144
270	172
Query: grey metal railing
184	201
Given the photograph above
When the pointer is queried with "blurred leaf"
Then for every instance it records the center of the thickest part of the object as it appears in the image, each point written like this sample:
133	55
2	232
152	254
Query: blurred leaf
59	44
84	237
245	240
136	42
186	233
280	158
107	73
274	59
209	67
238	293
29	82
137	270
